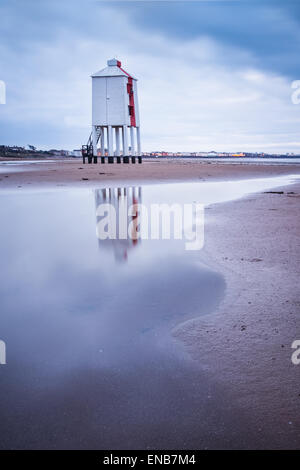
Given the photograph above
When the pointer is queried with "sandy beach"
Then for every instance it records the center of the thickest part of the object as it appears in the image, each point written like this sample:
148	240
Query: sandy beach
254	242
66	173
150	230
246	344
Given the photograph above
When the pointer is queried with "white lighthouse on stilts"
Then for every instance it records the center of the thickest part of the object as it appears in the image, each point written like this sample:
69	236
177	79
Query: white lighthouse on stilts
115	116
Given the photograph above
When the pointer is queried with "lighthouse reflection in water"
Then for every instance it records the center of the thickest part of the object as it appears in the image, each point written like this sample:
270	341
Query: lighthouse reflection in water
118	219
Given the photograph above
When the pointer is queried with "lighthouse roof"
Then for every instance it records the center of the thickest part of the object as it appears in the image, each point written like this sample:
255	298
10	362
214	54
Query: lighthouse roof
113	69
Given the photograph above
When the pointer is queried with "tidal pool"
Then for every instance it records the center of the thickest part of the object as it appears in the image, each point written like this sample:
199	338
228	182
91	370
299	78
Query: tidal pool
91	362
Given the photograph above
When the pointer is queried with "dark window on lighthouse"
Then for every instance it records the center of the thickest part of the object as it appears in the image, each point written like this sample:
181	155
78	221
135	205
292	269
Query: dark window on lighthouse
130	109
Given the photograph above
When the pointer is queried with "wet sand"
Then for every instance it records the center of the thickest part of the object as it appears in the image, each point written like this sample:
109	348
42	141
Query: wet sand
243	350
246	345
66	173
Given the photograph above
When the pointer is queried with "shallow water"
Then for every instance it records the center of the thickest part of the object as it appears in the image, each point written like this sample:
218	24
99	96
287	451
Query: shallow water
91	362
243	160
19	166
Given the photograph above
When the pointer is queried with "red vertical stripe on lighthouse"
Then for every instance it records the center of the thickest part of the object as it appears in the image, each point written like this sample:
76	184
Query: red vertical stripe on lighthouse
131	98
131	103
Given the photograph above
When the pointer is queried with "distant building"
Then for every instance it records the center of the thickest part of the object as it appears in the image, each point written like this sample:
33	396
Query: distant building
76	153
59	153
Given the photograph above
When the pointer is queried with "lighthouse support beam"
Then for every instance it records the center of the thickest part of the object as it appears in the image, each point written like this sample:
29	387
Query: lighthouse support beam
139	150
117	130
94	137
132	140
110	145
132	137
125	145
102	143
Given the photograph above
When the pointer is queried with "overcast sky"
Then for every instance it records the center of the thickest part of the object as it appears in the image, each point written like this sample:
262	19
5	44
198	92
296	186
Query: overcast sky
213	75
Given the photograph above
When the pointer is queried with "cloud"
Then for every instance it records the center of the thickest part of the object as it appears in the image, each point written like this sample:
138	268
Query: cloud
267	29
195	93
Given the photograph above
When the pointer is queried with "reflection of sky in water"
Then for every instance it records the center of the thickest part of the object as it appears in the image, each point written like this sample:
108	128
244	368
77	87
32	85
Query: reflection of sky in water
88	343
20	166
55	274
252	160
9	163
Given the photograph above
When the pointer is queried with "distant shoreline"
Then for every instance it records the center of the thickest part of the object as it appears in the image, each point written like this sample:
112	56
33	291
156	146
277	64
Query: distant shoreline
223	157
49	156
